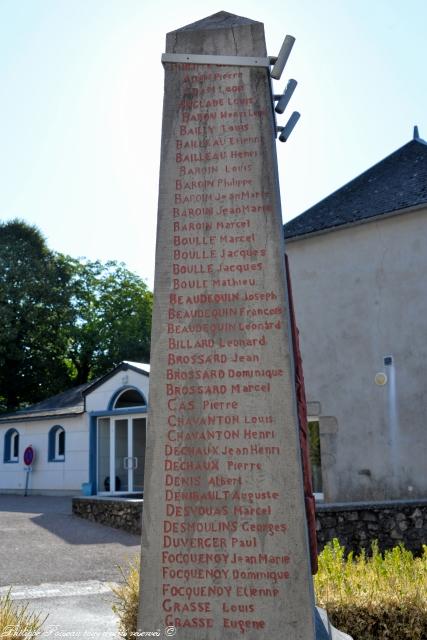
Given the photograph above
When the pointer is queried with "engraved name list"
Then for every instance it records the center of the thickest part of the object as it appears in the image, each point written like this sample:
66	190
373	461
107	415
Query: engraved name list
221	432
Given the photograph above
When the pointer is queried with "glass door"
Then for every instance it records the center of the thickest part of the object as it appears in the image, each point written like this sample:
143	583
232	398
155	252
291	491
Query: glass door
103	461
139	440
121	455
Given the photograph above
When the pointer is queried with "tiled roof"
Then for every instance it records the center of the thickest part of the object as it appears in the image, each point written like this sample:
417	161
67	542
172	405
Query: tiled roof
70	402
65	403
139	367
397	182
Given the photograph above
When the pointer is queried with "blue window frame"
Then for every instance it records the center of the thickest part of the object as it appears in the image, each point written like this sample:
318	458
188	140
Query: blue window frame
56	444
11	446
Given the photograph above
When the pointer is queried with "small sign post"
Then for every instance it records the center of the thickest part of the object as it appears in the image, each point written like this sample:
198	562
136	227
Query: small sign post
28	461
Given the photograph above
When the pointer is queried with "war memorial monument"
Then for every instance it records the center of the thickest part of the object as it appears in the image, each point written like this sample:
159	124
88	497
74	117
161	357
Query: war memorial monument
225	551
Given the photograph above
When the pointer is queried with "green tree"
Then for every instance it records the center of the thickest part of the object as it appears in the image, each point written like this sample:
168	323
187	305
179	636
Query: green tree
35	316
63	321
112	318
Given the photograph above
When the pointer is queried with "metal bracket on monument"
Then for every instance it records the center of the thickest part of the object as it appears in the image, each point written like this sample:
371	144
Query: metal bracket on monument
283	99
277	63
286	131
229	61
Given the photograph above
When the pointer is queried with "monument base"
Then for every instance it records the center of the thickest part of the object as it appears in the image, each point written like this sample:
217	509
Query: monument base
324	629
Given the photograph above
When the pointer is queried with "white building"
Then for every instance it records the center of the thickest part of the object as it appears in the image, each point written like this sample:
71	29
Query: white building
84	436
358	264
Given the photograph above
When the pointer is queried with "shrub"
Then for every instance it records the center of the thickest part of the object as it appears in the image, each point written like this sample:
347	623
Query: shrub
16	623
127	599
376	597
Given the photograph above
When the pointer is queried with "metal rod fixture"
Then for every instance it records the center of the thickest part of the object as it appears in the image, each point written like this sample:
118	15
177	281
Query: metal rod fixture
282	58
232	61
278	63
287	129
283	100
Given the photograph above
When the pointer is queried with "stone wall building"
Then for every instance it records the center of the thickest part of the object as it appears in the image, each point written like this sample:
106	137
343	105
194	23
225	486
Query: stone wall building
358	263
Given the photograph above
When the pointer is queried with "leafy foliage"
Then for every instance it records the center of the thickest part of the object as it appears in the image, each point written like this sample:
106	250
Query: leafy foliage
381	597
63	321
377	597
34	316
112	318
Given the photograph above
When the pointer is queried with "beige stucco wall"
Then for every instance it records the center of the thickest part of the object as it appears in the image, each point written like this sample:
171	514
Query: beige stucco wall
360	294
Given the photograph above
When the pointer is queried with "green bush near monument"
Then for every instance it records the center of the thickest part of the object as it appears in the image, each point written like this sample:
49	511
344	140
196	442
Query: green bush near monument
127	600
16	622
371	597
375	597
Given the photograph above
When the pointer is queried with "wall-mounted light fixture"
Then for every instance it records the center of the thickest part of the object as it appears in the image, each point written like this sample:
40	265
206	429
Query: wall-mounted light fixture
380	379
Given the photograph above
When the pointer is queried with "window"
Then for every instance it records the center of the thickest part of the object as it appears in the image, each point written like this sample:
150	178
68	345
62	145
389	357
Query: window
315	459
56	451
128	399
11	446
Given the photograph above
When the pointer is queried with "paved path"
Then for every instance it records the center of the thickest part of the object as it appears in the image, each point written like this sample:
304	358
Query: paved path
72	609
61	565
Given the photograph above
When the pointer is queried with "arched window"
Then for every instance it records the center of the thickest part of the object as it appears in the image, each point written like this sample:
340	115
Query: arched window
56	452
11	446
129	398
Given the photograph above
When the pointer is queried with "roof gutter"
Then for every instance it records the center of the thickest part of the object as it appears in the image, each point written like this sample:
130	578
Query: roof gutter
354	223
33	418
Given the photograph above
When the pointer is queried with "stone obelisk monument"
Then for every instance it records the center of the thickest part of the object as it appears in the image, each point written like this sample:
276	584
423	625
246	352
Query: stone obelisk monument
224	547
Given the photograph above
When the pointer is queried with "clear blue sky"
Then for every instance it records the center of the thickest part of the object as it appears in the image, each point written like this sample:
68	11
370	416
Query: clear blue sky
81	87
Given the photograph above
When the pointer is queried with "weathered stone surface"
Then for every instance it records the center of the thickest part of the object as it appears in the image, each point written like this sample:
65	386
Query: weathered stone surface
120	514
224	544
354	535
359	524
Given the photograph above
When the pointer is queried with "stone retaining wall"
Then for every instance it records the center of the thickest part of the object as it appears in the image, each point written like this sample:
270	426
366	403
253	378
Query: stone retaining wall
354	524
120	513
